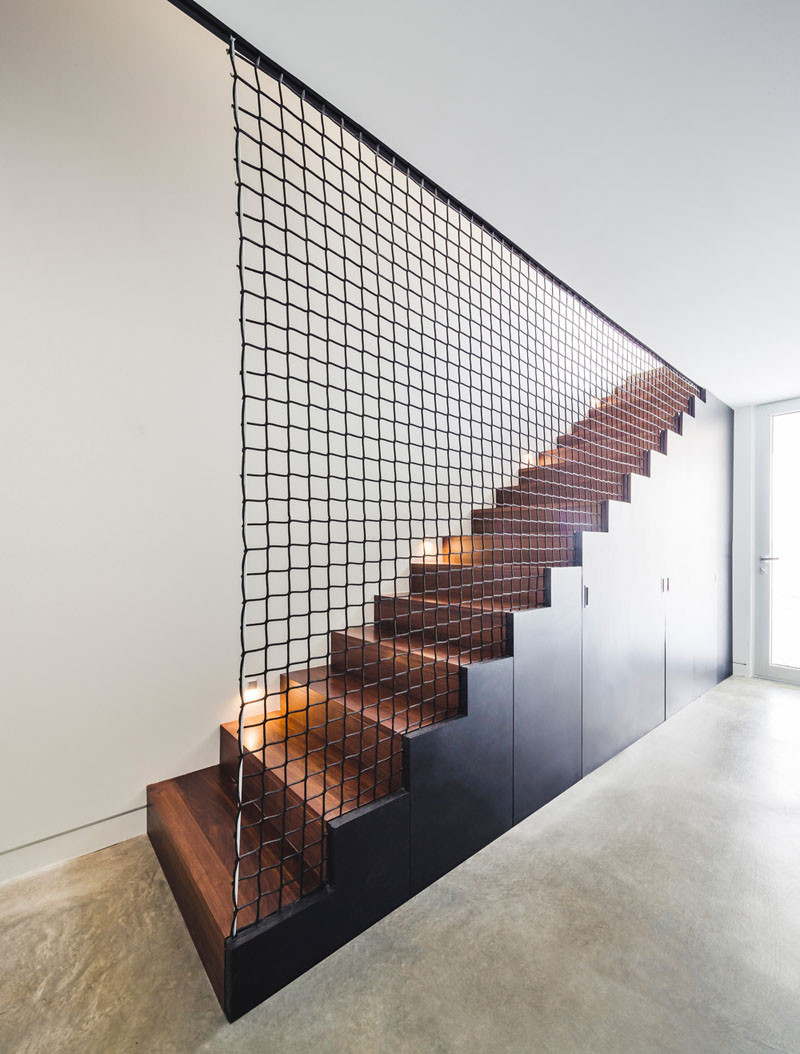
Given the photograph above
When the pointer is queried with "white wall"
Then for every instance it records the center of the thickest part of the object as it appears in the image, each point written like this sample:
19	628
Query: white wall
743	540
119	416
647	152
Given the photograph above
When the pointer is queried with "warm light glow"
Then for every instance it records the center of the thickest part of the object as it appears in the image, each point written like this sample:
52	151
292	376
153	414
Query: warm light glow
251	738
430	547
528	458
251	693
595	402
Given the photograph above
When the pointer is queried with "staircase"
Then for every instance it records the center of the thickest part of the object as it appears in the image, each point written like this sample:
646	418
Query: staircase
332	740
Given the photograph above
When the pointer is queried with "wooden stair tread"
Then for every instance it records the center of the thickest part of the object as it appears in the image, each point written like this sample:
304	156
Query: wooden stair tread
510	520
517	584
498	606
384	710
412	646
314	776
584	459
566	504
433	600
441	565
501	542
190	821
199	808
438	619
350	685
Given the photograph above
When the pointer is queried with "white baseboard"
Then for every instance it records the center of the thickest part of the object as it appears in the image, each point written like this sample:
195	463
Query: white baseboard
69	844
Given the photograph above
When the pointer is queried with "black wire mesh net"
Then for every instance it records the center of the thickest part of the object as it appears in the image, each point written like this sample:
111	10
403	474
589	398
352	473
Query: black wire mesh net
428	419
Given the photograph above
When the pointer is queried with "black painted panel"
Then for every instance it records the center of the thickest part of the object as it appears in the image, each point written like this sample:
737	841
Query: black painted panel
691	632
368	854
722	416
698	486
724	618
623	632
546	645
648	653
460	775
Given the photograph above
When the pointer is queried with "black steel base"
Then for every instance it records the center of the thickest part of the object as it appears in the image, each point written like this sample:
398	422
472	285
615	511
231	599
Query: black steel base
546	643
460	775
368	859
460	779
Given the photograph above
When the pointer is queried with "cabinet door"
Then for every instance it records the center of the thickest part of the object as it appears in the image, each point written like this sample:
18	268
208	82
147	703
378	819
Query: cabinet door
623	631
697	492
692	608
647	653
547	694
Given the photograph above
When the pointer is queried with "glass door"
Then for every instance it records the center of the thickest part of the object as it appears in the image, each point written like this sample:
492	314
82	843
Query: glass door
777	538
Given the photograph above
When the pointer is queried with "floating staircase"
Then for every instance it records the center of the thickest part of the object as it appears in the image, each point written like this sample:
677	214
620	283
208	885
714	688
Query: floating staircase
334	741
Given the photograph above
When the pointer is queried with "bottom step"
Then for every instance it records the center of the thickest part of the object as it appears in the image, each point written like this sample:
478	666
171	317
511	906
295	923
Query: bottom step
190	823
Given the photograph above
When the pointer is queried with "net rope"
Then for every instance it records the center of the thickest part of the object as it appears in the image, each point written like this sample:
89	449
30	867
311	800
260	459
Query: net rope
428	418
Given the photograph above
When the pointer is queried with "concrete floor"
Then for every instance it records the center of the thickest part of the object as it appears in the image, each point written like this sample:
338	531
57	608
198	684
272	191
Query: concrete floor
653	907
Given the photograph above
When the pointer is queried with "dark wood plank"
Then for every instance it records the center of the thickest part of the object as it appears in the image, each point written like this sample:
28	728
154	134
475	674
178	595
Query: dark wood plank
196	874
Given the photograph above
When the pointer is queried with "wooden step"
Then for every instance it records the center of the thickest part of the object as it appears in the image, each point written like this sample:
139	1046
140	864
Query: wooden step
293	793
470	625
351	717
296	775
410	664
307	758
559	484
659	376
475	582
656	383
677	390
551	548
637	411
566	518
600	441
397	714
500	604
616	431
647	405
633	422
584	461
190	822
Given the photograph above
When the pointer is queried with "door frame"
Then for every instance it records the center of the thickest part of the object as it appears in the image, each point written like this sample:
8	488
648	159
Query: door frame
762	529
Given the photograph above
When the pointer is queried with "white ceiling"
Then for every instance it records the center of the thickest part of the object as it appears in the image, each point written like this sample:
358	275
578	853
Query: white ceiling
646	152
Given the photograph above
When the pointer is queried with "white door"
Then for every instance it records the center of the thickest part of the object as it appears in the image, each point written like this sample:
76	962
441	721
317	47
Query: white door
777	538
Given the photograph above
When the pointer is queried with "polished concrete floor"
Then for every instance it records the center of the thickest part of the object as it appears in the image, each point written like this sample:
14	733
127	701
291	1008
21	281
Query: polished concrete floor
654	907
